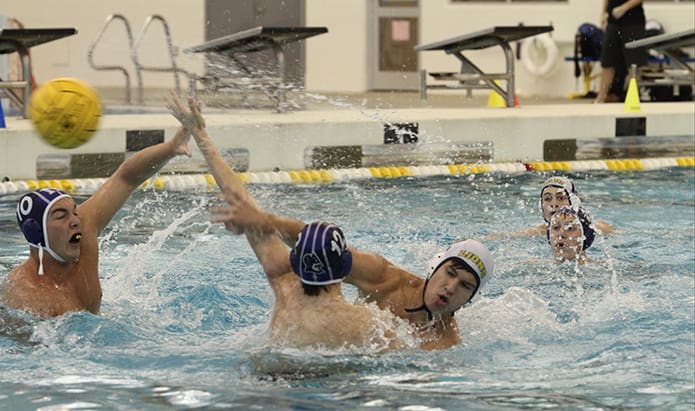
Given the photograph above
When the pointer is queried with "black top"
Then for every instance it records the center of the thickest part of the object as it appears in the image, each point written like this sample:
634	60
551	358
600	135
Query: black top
633	17
28	38
492	36
666	41
256	39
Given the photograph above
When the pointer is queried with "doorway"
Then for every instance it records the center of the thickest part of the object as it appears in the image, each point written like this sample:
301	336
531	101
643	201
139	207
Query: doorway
393	33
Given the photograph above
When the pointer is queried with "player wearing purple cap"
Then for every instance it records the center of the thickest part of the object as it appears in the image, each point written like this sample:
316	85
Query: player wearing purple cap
62	271
309	308
427	304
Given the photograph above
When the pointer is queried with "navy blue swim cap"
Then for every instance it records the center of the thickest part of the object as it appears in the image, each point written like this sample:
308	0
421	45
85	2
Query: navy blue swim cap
320	255
32	211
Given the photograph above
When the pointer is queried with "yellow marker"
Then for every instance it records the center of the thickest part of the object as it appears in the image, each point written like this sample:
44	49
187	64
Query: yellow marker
495	100
632	98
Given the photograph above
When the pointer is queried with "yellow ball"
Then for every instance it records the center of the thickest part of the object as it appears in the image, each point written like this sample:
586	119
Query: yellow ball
65	112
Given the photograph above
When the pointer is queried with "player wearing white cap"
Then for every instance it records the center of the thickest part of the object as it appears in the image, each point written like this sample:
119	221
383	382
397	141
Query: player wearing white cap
428	304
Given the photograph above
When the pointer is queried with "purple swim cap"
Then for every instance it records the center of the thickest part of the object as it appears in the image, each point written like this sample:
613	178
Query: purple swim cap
32	212
320	255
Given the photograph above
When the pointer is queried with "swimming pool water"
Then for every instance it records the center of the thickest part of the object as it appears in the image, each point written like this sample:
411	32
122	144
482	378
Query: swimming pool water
186	305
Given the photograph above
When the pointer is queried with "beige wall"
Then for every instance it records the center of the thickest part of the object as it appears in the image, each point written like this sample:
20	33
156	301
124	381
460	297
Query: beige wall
68	57
336	62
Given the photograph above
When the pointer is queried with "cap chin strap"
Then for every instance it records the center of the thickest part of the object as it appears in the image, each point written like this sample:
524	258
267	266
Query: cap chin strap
423	307
51	252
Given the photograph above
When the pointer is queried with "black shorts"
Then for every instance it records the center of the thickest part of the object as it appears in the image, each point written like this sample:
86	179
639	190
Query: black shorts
614	54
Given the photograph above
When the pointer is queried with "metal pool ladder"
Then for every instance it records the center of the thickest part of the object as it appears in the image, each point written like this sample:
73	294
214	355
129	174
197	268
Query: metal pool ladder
133	48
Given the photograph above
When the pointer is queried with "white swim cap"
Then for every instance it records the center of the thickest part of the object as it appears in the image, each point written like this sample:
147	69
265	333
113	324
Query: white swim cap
474	255
566	184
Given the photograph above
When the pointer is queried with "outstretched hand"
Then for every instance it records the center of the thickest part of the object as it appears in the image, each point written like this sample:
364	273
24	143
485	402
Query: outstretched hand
240	214
189	117
180	141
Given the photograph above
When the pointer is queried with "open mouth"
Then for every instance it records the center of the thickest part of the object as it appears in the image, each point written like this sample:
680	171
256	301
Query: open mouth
443	299
75	239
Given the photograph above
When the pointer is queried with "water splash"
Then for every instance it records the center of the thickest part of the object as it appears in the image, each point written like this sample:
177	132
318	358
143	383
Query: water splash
130	285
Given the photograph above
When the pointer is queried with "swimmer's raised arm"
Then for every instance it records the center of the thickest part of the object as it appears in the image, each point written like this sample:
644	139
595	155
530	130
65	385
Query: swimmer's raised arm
116	190
260	232
191	118
288	228
239	214
373	273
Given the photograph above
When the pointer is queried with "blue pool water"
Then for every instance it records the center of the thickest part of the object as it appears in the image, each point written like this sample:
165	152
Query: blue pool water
186	305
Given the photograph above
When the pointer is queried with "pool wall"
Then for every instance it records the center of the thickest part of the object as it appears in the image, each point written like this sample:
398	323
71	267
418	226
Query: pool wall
279	141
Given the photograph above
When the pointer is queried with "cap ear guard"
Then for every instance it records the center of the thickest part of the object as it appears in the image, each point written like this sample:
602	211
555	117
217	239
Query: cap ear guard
587	227
433	264
32	209
32	231
294	262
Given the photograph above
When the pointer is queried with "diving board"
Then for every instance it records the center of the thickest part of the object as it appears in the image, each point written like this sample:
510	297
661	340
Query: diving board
20	41
665	42
670	45
470	75
254	40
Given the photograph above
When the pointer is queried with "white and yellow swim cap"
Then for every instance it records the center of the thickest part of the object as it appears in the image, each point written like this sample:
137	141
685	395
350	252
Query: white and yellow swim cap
473	254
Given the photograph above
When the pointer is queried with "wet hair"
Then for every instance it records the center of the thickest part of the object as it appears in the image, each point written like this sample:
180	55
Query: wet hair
456	263
313	290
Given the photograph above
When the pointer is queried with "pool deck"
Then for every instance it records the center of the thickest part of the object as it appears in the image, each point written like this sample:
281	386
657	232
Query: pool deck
284	141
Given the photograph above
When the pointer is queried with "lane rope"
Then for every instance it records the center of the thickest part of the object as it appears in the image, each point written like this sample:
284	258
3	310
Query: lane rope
183	182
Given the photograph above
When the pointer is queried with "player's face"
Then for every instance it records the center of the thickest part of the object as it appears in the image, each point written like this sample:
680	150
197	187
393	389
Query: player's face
552	199
566	237
64	229
449	288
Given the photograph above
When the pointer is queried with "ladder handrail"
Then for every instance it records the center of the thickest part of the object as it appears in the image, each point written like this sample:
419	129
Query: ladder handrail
139	68
90	53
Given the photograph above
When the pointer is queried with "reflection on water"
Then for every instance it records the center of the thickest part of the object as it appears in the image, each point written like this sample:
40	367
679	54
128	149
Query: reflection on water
186	305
